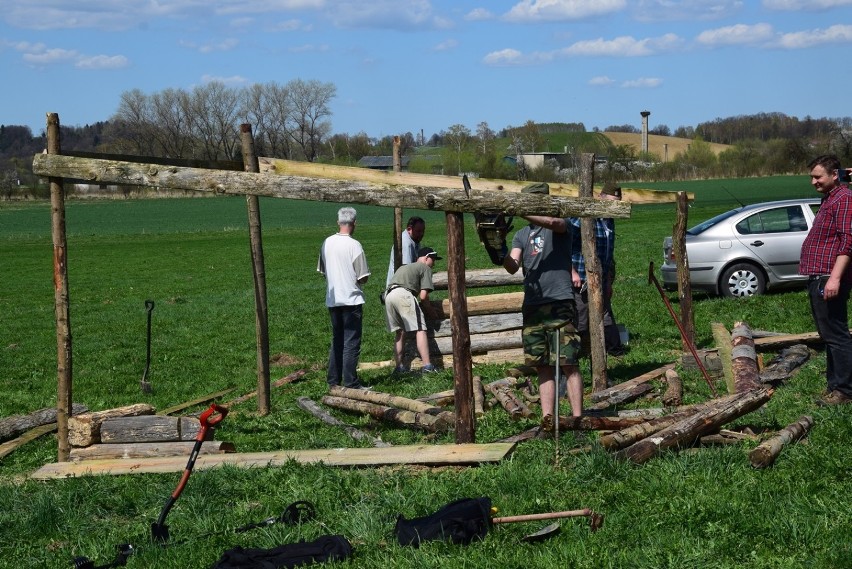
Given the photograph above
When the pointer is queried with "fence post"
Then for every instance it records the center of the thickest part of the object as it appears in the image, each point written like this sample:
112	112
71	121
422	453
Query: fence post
250	164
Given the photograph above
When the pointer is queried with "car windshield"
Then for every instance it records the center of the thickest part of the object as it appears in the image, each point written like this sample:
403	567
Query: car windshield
705	225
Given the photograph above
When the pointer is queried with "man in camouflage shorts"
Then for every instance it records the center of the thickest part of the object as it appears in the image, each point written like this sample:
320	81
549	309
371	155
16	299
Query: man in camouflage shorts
543	251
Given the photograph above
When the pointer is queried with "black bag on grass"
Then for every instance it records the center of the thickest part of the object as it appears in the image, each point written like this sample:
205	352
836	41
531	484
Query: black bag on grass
324	548
458	522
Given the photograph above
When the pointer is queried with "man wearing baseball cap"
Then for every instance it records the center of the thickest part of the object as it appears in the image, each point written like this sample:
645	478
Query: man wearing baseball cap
407	306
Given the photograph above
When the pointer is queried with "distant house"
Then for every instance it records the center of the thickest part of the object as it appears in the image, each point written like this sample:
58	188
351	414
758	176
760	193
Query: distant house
382	162
534	160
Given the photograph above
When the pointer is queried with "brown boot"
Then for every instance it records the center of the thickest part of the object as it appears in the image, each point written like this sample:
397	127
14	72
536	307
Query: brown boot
834	398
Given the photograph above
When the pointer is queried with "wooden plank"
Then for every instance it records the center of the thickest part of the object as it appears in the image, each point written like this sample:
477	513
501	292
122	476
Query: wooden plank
429	455
141	450
30	435
480	324
775	343
313	169
354	191
722	339
511	355
194	402
480	278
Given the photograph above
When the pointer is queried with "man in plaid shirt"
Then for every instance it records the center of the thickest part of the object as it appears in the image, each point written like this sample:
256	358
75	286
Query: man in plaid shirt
826	260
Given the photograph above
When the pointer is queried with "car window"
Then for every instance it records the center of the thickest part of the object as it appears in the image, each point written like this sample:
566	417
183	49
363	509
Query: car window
705	225
777	220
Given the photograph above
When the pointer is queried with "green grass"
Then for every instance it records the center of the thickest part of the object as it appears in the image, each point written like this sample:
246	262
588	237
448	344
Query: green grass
703	508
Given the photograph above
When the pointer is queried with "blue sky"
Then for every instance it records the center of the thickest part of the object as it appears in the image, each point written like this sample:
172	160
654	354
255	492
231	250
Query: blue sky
405	65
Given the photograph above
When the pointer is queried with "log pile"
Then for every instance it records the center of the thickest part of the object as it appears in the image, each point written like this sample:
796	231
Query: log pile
135	431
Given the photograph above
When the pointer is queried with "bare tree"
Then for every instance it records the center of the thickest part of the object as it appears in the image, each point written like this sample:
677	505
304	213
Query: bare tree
309	102
458	137
213	119
531	136
484	138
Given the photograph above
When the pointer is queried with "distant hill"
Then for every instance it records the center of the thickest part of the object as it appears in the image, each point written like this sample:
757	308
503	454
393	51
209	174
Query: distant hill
657	144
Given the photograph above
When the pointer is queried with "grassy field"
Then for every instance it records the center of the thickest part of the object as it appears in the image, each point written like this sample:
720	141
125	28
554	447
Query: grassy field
702	508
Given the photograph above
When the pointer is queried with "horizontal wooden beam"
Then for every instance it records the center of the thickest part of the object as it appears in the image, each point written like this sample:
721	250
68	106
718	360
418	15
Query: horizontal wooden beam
430	455
476	278
387	194
315	170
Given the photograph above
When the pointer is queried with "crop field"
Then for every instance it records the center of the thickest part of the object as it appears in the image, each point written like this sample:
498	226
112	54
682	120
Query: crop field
695	508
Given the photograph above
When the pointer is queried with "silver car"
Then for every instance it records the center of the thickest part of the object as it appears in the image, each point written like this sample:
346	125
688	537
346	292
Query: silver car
745	251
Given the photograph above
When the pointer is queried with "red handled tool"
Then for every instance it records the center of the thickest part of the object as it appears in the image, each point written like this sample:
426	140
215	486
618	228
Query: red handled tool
210	418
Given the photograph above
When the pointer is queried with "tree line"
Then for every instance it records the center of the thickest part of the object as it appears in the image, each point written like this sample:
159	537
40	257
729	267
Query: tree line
293	121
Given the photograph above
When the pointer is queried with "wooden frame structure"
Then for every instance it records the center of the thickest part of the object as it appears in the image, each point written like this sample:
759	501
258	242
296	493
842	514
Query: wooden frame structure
325	183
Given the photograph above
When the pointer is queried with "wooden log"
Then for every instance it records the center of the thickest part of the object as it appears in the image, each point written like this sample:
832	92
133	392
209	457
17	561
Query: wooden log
290	378
439	399
744	359
785	364
630	383
480	324
652	412
392	401
502	394
626	436
766	452
393	415
478	396
625	396
480	278
776	343
311	407
150	429
722	338
388	194
142	450
484	304
85	429
588	423
14	425
674	390
691	428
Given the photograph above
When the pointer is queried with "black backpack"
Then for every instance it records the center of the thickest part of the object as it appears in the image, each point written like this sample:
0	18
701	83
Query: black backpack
458	522
324	548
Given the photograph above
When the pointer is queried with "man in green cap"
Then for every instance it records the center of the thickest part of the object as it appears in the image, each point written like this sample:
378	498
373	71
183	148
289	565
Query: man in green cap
543	251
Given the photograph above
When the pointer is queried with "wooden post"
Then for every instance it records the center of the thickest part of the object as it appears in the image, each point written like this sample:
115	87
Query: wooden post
594	282
397	212
61	301
722	339
462	370
684	289
261	312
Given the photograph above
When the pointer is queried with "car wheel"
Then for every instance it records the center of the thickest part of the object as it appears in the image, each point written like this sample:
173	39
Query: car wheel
742	279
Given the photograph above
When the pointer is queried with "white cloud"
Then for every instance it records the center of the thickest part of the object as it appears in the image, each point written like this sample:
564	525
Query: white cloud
102	62
232	80
479	14
310	48
837	34
504	57
738	34
624	46
446	45
691	10
601	81
385	14
561	10
289	26
51	56
800	5
642	83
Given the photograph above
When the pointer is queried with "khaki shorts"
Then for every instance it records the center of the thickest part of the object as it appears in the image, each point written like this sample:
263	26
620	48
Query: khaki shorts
539	334
403	312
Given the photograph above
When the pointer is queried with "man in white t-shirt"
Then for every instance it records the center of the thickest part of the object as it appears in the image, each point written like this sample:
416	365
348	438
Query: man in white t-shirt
344	265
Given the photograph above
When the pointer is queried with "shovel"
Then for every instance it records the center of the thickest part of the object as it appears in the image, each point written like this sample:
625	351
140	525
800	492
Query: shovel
159	529
145	385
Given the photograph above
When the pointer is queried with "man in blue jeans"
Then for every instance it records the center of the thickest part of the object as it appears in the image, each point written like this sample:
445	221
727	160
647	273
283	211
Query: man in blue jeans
826	260
344	266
